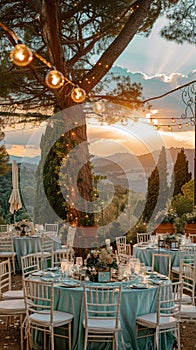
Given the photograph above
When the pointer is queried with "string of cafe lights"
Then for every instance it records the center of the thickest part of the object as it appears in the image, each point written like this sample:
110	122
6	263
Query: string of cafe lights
22	56
172	124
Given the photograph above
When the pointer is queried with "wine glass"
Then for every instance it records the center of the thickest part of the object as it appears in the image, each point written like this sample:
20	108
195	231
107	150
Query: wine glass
79	262
64	267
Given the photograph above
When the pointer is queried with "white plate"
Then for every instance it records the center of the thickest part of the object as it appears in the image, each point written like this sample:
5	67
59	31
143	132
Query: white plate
70	285
139	286
37	273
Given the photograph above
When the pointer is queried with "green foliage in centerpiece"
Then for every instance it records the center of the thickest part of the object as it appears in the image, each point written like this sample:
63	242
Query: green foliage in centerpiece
101	259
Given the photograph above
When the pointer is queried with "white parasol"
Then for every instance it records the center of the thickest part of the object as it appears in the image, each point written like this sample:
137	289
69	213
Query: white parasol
14	200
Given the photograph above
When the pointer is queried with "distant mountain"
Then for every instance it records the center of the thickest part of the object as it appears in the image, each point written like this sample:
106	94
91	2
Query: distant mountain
133	171
29	160
126	169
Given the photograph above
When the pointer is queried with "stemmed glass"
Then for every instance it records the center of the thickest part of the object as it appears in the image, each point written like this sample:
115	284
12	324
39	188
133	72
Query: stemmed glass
64	268
79	262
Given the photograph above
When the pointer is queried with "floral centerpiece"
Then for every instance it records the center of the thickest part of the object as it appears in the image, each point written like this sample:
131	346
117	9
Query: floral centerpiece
99	260
22	226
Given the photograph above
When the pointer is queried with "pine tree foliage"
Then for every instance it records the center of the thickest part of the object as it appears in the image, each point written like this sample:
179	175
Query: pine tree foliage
158	190
4	157
181	172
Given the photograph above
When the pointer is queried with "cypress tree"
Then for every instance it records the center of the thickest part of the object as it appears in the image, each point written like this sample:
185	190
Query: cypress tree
157	191
181	172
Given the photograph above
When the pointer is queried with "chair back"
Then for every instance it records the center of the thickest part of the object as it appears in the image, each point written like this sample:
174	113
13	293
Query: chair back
123	249
4	228
121	239
39	297
29	264
102	302
47	244
169	301
161	263
143	237
59	255
6	243
188	276
52	228
5	277
187	254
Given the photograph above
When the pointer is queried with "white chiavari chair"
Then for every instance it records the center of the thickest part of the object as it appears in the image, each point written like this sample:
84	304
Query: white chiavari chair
102	310
40	313
7	249
6	291
143	237
166	318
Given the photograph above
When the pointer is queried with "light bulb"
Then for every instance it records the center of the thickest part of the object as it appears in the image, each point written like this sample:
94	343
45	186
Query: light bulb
78	95
124	122
21	55
54	79
98	107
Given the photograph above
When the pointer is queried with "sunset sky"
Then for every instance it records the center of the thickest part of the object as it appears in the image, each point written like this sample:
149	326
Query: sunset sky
160	66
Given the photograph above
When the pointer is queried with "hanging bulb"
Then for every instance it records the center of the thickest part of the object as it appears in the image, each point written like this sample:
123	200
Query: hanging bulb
173	120
98	107
169	127
54	79
21	55
187	124
180	126
78	95
124	122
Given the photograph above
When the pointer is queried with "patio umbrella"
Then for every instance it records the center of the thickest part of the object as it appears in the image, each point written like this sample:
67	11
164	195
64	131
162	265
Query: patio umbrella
14	200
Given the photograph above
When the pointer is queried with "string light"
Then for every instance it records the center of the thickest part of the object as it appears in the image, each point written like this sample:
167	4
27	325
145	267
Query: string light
78	95
98	107
55	79
180	126
173	120
21	55
169	127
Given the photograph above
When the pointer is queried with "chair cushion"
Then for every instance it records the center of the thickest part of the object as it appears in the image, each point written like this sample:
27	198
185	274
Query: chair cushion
176	269
150	321
43	319
13	294
186	299
188	311
7	254
14	306
101	325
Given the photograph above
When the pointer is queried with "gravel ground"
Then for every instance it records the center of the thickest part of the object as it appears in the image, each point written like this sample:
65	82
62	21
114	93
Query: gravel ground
10	339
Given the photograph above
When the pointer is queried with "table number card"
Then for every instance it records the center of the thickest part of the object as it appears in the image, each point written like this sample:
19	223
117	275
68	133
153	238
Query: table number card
103	276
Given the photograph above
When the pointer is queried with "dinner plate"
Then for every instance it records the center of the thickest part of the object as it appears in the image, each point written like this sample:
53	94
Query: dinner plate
48	279
139	286
37	273
70	285
52	269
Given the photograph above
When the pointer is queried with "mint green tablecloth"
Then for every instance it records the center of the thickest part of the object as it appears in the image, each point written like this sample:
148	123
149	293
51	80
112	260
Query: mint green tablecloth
134	302
145	254
28	245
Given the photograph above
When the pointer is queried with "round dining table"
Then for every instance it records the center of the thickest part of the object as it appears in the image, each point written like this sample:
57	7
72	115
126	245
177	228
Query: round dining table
144	253
28	245
135	301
